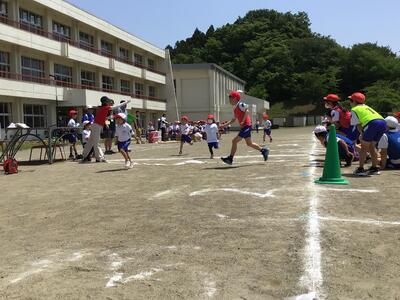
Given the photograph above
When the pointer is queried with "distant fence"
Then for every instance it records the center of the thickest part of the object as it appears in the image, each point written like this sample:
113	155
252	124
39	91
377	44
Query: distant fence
298	121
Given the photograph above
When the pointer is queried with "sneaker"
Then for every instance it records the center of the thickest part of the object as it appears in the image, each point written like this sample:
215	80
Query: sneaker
374	171
85	161
265	153
349	160
131	165
71	157
103	160
212	156
228	160
127	164
180	152
360	172
270	140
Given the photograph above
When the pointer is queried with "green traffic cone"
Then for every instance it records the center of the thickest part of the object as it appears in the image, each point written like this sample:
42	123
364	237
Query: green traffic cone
332	173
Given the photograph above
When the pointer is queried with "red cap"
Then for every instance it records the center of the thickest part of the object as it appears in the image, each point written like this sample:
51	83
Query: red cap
72	112
358	97
235	95
265	117
185	118
397	115
210	117
332	98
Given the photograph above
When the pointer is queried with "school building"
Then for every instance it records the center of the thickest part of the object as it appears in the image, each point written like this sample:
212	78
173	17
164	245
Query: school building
203	88
54	56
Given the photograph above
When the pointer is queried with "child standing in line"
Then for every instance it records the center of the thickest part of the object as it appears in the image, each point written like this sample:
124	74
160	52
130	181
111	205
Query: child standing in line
212	134
372	127
99	121
123	133
72	137
267	128
241	113
186	131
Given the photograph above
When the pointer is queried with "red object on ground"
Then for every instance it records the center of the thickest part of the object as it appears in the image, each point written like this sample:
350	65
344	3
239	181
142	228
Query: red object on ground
153	137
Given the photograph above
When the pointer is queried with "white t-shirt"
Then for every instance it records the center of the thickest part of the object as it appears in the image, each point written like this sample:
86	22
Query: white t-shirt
335	115
163	122
384	141
267	124
85	136
185	129
72	123
354	119
123	132
212	133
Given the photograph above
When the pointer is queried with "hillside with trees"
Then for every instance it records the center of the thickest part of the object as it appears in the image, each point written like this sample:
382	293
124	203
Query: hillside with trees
286	63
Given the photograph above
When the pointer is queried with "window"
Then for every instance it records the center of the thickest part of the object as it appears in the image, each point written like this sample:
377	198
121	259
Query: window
3	9
106	48
5	114
88	79
124	54
4	64
138	60
139	89
86	41
61	32
32	69
151	64
30	21
125	86
62	74
35	115
152	91
108	83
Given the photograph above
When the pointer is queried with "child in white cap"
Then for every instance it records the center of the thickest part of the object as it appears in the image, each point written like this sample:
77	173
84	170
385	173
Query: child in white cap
389	145
123	133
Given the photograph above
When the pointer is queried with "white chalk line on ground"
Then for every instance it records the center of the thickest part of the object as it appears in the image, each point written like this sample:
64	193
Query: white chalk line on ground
269	194
312	276
52	263
366	221
367	191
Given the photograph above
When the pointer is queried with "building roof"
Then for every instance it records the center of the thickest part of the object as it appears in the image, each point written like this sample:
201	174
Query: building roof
206	66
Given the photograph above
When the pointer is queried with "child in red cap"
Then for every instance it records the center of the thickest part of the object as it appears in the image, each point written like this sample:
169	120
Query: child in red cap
212	134
241	113
372	127
267	128
185	131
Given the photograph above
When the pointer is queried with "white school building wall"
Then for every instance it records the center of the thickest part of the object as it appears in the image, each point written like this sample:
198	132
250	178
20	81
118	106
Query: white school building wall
52	52
202	89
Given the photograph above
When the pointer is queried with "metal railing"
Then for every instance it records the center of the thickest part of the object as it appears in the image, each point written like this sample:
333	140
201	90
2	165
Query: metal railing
78	44
48	81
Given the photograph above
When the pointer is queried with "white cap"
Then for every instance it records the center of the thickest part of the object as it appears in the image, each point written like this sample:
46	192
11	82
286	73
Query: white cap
86	122
120	115
89	106
320	129
392	122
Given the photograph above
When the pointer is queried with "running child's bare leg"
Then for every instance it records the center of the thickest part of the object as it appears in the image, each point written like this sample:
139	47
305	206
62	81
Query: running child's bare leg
181	148
250	143
374	154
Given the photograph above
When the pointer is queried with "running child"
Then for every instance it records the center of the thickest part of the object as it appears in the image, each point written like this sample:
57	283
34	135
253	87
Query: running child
241	113
186	131
267	128
72	136
340	117
212	134
99	121
123	133
372	127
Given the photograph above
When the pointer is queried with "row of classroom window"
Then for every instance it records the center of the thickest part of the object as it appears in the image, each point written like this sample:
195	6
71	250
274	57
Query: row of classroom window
35	115
86	41
33	69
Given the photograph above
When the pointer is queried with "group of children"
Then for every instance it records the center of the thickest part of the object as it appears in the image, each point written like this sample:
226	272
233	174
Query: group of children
360	133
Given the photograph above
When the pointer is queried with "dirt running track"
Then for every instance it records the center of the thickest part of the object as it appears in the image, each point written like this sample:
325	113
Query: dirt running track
191	228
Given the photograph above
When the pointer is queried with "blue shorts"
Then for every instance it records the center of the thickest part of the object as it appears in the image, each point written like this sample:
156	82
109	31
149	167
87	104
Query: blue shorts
213	145
124	145
245	132
267	131
72	138
351	133
374	130
186	139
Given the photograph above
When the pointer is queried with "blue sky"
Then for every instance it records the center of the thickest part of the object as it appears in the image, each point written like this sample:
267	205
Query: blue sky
164	22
